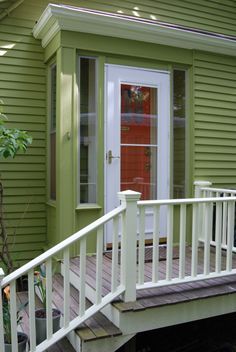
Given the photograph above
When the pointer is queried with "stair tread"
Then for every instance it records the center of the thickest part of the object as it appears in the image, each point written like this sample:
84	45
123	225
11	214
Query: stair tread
96	327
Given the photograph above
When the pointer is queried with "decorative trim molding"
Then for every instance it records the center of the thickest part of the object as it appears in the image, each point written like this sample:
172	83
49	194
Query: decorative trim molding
62	17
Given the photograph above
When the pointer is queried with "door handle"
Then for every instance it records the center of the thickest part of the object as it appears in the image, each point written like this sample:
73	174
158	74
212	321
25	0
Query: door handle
110	157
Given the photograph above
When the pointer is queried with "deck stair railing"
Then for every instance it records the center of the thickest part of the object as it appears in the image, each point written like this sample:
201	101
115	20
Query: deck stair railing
128	230
119	215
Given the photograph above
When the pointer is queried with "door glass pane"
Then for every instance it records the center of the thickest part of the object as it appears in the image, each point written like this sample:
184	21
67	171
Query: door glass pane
139	140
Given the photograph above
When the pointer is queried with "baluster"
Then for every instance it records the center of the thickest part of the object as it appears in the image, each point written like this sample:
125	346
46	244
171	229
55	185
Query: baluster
32	309
1	314
141	247
115	252
13	312
155	254
182	245
49	297
194	241
66	280
169	242
82	276
224	227
99	256
218	230
208	230
230	235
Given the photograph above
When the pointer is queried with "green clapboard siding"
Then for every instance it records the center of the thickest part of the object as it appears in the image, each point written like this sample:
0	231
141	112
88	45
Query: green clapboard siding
210	15
23	90
215	118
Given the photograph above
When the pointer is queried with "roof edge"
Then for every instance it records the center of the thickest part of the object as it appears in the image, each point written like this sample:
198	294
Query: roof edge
62	17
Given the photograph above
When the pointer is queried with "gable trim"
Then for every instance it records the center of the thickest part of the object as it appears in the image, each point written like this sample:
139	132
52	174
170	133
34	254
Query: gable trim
62	17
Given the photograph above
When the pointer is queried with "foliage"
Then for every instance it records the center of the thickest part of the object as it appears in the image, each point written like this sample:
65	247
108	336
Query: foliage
7	314
12	140
40	283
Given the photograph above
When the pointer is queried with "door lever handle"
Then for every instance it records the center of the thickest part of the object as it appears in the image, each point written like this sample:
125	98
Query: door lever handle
110	157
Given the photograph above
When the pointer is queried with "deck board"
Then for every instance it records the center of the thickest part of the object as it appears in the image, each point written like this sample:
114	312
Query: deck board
165	295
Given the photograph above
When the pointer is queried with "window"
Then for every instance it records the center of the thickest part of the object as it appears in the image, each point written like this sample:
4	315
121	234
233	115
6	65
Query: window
179	123
88	130
52	132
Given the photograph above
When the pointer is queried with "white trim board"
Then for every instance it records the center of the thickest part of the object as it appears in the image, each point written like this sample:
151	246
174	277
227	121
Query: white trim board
62	17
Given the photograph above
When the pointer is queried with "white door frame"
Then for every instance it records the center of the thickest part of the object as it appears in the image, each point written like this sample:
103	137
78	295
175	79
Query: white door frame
137	76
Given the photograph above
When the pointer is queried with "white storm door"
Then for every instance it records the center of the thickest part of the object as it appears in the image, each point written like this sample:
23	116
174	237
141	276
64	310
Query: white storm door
137	120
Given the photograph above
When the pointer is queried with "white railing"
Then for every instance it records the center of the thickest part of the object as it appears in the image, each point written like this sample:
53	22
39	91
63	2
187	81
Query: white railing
185	219
188	221
204	189
117	217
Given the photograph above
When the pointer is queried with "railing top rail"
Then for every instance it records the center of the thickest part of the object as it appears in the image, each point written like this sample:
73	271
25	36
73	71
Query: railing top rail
62	245
221	190
184	201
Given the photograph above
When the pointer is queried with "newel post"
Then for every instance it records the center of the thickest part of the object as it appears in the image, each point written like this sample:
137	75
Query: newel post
198	185
1	313
129	243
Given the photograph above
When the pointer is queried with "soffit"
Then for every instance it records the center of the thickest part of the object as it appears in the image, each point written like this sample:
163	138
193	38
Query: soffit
63	17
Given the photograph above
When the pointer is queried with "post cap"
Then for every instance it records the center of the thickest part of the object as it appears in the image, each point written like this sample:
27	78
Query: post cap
129	195
202	183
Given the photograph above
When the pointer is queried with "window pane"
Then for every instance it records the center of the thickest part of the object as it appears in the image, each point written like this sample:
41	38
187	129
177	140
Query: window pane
179	132
88	125
53	133
139	140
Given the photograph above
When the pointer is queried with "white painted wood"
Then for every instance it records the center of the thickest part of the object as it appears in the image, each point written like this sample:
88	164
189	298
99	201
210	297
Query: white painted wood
182	241
141	246
155	249
99	256
2	347
115	249
49	297
218	230
230	235
80	319
66	284
149	203
186	279
115	76
82	276
169	252
31	295
129	244
224	228
13	312
195	220
208	229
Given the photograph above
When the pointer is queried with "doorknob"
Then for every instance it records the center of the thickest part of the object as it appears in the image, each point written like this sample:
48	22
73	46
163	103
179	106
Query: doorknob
110	157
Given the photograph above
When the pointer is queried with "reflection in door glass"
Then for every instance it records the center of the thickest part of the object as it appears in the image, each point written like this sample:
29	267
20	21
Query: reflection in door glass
179	114
139	140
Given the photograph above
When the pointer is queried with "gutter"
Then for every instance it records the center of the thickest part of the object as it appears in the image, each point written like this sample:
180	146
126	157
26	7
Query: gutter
6	12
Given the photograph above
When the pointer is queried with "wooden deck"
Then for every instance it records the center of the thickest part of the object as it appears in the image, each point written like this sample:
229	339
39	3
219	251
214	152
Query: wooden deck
164	295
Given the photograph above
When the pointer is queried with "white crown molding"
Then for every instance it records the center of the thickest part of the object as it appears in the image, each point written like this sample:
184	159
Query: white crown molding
61	17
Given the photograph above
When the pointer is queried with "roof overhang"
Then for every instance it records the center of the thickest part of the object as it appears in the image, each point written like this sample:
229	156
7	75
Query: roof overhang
62	17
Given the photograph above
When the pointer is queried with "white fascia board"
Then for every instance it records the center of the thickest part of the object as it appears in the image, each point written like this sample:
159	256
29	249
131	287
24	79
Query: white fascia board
59	17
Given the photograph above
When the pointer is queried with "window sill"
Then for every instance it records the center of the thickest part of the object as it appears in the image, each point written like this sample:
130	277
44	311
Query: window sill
88	207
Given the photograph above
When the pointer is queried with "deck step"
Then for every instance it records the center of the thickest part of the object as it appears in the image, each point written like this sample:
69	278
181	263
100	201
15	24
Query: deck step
96	327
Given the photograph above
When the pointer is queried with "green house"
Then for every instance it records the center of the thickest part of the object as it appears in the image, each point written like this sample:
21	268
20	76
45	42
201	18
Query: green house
120	95
171	122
